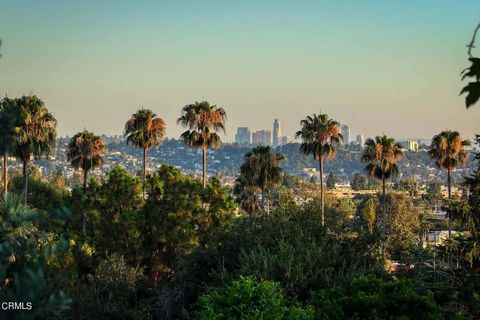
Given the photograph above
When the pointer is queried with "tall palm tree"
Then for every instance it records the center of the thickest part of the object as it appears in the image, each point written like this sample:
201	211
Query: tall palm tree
8	116
145	130
447	149
35	132
381	156
84	151
319	135
260	171
202	121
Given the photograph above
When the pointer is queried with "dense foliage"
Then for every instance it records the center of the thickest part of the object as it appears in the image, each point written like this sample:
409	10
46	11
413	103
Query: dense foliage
248	299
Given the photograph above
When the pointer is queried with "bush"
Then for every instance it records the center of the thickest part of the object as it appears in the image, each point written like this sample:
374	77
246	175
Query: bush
249	299
367	297
112	292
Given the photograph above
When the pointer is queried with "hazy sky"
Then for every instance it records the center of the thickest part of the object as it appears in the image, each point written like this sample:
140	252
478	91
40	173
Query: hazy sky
380	66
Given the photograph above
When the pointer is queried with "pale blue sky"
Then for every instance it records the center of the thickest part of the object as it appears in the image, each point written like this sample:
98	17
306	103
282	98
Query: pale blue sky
380	66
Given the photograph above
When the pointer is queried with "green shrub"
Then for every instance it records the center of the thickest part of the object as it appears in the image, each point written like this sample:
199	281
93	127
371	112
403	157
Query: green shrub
367	297
112	292
249	299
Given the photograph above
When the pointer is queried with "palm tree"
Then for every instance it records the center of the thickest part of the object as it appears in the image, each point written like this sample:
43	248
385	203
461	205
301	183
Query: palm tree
145	130
319	135
35	132
7	135
202	121
84	152
381	156
260	171
447	149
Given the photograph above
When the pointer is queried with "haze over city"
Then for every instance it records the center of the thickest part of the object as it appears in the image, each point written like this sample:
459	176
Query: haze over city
376	66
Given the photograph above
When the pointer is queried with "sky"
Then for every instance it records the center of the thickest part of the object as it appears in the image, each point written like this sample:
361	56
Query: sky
380	66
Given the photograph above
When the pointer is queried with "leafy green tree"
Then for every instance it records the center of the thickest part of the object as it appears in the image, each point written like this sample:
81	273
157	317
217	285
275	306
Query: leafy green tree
260	171
249	299
8	120
403	225
84	151
359	182
202	121
448	151
113	211
145	130
331	181
319	135
180	215
35	132
381	156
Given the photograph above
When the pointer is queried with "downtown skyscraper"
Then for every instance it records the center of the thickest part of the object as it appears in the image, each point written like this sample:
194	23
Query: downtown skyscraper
277	133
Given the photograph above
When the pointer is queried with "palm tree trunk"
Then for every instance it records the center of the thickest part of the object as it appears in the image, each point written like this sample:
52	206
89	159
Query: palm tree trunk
85	178
449	184
204	166
144	170
384	215
84	213
322	200
5	174
25	181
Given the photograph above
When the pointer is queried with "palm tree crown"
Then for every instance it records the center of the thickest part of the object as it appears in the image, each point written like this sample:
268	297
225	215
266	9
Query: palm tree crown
202	121
447	149
35	132
381	156
85	152
319	134
145	130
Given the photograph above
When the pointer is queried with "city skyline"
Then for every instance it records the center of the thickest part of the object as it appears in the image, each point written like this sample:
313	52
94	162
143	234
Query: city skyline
93	72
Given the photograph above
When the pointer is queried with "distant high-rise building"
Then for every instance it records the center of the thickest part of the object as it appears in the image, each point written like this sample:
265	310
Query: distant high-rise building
345	131
257	138
277	133
262	137
409	144
243	136
360	140
267	137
